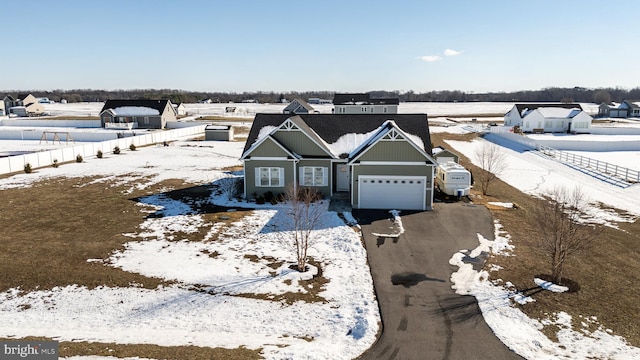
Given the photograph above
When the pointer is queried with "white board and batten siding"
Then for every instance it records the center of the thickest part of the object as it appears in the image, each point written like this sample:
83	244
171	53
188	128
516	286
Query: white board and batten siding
392	192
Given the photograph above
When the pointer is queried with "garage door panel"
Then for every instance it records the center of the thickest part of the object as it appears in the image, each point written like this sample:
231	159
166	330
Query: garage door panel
388	192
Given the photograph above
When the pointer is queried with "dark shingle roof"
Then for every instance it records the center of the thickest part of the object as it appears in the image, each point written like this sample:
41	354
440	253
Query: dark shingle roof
362	98
522	107
159	105
330	127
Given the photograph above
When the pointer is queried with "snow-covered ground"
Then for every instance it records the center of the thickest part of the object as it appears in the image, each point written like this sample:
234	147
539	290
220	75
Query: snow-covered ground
342	328
536	175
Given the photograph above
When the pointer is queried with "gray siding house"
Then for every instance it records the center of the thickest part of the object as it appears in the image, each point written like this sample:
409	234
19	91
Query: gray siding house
380	161
298	106
136	114
364	104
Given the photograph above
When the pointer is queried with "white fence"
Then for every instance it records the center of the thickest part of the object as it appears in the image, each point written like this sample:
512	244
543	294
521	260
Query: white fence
627	175
50	122
88	150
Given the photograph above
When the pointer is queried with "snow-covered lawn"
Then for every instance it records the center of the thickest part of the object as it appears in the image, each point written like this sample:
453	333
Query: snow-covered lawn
203	308
521	333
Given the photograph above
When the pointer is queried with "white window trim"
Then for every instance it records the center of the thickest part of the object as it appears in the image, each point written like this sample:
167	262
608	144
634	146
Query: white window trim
325	175
271	184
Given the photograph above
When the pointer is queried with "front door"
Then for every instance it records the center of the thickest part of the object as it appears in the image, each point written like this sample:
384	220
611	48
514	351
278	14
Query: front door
342	177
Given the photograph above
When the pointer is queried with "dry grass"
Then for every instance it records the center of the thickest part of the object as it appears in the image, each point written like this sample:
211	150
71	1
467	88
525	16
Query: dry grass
50	230
312	287
608	273
83	348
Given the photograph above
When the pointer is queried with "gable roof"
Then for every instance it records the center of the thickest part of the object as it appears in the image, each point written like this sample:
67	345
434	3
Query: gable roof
387	127
362	99
296	103
159	105
631	104
331	127
534	106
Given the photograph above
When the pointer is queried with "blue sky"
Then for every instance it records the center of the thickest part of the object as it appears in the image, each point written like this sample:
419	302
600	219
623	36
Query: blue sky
344	46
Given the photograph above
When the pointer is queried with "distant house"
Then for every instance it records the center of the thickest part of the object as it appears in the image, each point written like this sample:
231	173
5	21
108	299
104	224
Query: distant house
318	101
23	105
298	106
550	117
379	161
364	104
628	108
140	114
180	110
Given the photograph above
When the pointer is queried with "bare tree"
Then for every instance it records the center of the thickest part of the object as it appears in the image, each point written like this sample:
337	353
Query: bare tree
563	234
491	162
305	213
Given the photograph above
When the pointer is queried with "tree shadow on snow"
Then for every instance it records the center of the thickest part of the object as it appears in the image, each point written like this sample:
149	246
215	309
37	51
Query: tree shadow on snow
188	201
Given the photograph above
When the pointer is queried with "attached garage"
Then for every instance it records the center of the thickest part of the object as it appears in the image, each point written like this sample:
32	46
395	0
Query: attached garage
392	192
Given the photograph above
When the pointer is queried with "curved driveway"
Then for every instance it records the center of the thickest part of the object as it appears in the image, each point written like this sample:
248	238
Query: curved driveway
423	318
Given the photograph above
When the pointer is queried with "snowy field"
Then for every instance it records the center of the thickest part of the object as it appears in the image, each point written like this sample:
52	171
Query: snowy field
434	109
342	328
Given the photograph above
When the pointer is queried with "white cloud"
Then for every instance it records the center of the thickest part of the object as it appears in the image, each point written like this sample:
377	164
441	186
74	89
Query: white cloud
431	58
450	52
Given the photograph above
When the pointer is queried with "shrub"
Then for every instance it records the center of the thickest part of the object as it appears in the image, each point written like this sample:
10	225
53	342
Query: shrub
79	158
132	147
55	163
99	154
230	187
116	150
268	196
260	199
27	168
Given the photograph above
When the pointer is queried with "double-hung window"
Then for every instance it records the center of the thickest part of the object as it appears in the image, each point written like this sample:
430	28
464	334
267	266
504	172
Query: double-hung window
270	177
314	176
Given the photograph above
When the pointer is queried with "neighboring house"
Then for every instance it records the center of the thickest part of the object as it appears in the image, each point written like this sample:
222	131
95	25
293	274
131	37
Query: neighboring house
23	105
625	109
443	156
364	104
632	108
2	108
381	161
610	110
132	114
179	109
550	117
318	101
298	106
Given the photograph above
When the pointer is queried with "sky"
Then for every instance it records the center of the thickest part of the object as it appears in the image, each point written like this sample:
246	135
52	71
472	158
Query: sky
329	45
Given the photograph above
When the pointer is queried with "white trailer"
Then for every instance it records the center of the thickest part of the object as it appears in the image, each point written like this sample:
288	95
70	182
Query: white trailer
453	179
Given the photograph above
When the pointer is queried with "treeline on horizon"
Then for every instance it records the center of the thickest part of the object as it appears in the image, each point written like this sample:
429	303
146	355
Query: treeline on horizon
552	94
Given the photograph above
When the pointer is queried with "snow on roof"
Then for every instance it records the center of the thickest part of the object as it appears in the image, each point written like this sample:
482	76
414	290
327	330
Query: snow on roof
349	142
135	111
551	112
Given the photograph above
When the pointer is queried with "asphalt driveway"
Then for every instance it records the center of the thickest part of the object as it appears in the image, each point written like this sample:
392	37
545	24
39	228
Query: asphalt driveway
423	318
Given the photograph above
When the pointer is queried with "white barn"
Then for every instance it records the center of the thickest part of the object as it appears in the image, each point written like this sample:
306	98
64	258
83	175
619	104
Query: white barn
555	118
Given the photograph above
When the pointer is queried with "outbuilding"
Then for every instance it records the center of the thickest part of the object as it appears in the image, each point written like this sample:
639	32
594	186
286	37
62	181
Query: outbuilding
218	133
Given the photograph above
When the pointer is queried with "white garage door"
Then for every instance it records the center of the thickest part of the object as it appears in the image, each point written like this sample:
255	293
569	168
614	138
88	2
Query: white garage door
392	192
